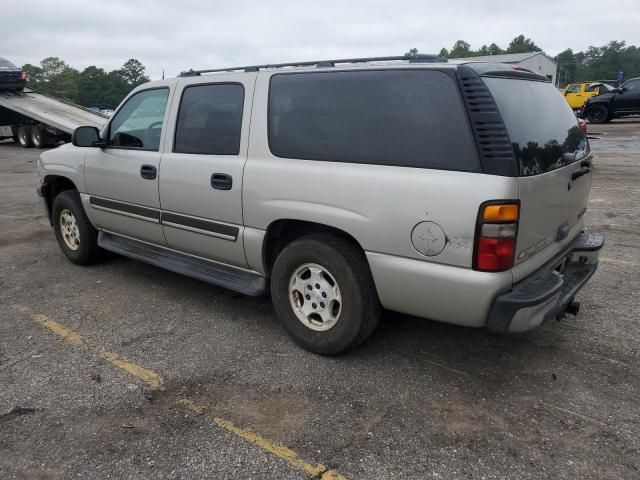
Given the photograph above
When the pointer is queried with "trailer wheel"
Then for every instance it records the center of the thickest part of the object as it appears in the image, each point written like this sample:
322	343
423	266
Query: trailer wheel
39	137
24	136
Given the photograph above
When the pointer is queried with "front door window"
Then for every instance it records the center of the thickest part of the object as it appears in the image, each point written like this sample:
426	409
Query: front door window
138	124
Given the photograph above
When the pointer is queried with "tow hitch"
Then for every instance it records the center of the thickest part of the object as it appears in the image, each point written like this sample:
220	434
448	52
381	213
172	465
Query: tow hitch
572	309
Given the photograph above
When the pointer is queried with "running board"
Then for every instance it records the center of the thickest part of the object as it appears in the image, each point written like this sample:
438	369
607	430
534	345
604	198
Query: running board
241	281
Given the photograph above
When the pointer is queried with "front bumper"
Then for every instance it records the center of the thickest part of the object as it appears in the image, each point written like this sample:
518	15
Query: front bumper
548	292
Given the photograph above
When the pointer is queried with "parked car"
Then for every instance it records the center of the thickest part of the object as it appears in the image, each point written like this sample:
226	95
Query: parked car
444	190
11	76
577	93
620	102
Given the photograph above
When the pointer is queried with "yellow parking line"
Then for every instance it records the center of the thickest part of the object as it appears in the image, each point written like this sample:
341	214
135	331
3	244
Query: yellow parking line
155	381
149	377
267	445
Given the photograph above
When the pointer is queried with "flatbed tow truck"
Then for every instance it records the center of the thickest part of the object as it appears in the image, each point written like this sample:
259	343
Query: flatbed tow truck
34	119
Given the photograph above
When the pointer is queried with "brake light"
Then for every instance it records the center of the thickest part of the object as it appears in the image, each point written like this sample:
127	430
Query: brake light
496	236
583	126
23	75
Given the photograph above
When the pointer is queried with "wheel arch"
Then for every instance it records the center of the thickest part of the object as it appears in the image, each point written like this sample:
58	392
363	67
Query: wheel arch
55	184
282	232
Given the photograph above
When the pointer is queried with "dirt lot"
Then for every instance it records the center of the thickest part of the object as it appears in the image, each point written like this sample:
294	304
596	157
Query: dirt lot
124	370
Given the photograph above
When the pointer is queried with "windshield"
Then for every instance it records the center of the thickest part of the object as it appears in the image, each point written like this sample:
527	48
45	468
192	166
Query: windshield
7	65
541	126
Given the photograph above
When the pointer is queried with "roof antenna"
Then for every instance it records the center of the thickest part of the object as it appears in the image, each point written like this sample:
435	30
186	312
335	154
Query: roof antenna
163	73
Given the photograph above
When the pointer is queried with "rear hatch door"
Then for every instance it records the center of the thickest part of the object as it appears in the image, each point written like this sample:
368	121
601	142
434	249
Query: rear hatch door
553	167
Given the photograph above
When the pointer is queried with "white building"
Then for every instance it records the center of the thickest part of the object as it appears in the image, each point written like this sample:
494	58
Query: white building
538	62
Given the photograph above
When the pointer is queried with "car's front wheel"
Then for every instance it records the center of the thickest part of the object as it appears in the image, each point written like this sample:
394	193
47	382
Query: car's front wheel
598	114
76	237
323	293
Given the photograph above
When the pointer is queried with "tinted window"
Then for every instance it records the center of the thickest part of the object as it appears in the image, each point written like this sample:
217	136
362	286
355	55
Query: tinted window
396	117
210	120
632	85
541	125
138	124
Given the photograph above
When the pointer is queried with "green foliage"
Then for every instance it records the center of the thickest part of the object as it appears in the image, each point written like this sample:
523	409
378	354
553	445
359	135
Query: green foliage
598	63
413	52
91	87
520	44
462	49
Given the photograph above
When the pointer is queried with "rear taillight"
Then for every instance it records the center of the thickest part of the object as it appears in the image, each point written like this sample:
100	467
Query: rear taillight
583	126
496	236
23	75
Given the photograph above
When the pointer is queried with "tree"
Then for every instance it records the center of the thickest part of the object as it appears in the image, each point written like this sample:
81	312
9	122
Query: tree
495	49
520	44
134	73
567	67
460	49
413	52
91	87
34	74
444	53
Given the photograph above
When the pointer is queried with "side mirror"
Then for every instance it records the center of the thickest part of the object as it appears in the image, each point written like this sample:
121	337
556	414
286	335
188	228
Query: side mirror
620	90
87	137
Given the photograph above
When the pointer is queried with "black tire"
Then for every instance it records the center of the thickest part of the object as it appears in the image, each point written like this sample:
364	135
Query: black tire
598	114
19	89
88	251
360	308
39	137
24	136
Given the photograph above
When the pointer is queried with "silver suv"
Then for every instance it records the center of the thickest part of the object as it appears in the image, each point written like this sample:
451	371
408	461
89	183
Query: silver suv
451	191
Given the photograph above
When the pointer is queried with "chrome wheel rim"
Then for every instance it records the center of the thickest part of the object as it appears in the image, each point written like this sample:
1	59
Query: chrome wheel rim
69	229
315	297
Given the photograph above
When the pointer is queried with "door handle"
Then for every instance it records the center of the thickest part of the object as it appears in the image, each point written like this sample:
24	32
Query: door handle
148	172
221	181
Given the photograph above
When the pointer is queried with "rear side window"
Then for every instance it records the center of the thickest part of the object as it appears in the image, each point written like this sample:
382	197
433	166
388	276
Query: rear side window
210	120
541	125
411	118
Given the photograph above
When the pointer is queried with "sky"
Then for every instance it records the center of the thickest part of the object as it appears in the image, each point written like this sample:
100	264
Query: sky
180	34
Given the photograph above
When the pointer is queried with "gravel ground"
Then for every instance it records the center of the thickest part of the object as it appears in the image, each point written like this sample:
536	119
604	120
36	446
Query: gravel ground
420	399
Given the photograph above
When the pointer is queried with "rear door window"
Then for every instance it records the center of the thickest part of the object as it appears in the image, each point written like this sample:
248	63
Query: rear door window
541	126
210	119
411	118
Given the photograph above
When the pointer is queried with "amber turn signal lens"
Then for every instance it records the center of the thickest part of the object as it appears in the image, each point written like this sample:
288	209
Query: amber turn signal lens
507	212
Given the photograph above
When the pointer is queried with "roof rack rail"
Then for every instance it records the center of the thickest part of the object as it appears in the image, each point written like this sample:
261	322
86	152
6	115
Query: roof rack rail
420	58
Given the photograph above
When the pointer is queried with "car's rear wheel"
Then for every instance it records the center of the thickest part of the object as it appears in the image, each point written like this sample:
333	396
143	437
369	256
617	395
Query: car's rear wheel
76	237
598	114
323	293
24	136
